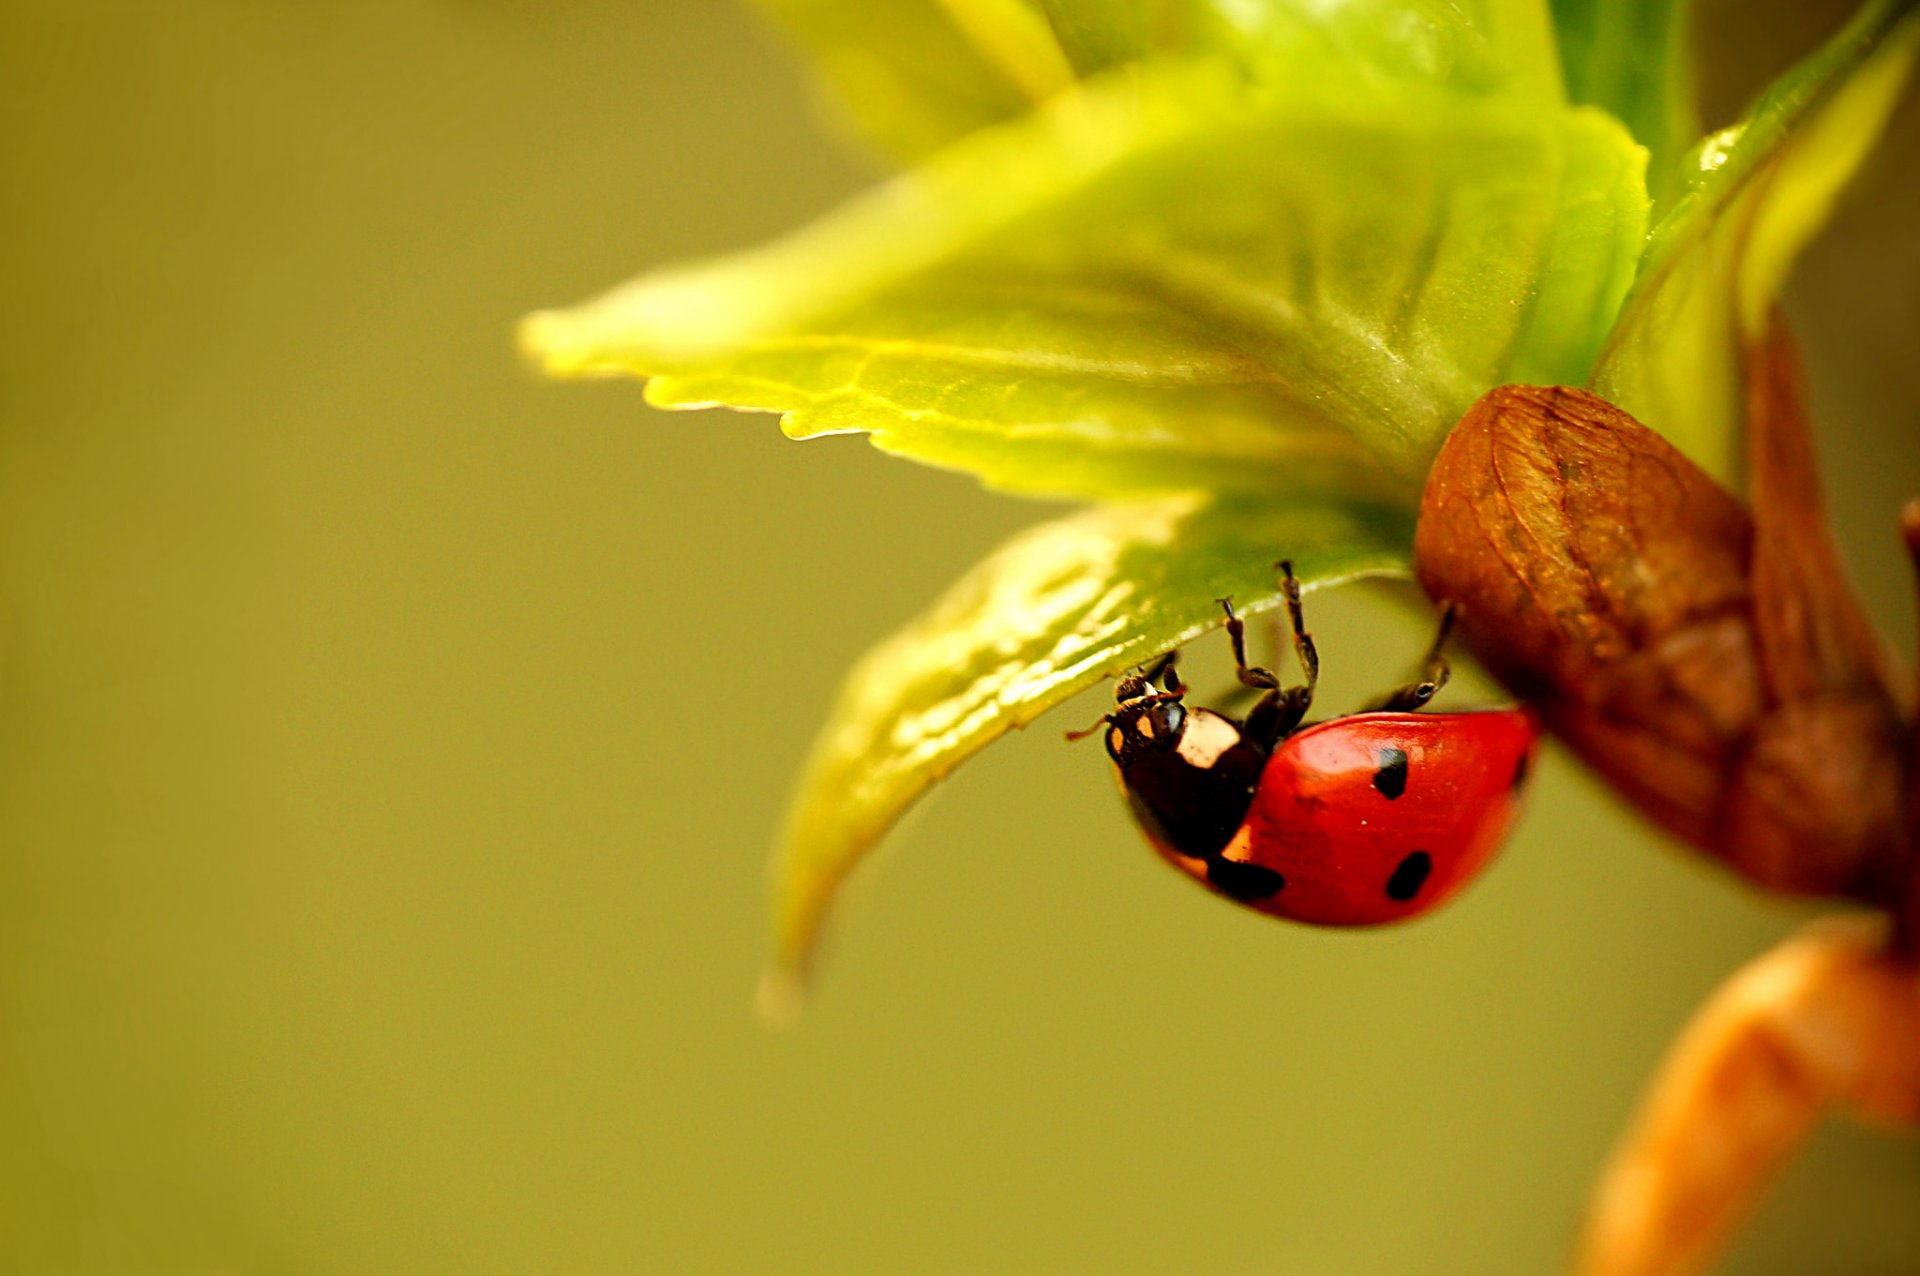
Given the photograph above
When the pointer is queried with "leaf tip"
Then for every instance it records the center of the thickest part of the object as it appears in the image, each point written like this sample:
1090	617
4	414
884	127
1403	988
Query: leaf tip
659	320
548	340
780	999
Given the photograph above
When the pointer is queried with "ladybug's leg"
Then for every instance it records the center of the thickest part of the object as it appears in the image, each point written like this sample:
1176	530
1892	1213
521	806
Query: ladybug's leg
1906	929
1279	711
1433	676
1259	728
1303	646
1250	675
1164	669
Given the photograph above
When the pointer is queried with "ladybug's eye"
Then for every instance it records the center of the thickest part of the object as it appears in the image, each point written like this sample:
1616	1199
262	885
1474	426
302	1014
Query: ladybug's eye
1162	723
1140	730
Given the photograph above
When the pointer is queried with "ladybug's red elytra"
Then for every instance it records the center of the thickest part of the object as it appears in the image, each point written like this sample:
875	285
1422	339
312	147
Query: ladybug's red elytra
1369	818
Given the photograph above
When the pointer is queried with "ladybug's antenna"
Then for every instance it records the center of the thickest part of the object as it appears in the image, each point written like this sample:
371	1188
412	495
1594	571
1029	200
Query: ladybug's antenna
1075	737
1127	712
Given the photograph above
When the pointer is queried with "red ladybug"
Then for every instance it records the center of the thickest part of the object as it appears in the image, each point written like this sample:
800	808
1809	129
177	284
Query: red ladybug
1370	818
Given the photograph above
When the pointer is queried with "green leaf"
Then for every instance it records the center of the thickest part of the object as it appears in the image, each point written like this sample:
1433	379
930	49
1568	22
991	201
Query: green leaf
915	75
1633	58
1098	35
1167	281
1087	390
1758	193
1047	616
1466	46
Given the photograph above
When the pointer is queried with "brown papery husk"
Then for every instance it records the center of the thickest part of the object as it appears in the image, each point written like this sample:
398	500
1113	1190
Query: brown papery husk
1709	662
1826	1022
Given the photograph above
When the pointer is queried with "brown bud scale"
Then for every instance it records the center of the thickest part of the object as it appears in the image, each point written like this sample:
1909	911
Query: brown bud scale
1708	662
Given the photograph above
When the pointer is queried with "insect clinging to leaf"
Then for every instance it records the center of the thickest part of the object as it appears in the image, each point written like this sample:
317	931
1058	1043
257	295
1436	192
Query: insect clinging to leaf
1367	818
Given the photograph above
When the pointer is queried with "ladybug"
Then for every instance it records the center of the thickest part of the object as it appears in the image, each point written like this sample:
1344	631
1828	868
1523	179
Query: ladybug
1374	817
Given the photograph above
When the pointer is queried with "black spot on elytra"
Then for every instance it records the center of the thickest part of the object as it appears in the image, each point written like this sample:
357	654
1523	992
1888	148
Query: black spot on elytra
1391	778
1520	769
1409	877
1244	882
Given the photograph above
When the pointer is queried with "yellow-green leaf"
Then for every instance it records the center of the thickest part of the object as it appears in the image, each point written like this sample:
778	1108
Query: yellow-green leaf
1634	58
1167	281
1760	191
915	75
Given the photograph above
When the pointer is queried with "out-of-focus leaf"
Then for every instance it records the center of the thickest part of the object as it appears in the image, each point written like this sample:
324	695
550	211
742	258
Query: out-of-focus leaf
1632	57
1759	192
1466	46
915	75
1050	614
1097	35
1166	281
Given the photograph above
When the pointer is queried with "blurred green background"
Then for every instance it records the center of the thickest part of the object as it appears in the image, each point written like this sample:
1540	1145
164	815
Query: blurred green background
389	742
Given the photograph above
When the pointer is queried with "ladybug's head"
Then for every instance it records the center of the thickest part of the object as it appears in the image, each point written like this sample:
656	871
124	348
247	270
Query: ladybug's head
1145	720
1189	773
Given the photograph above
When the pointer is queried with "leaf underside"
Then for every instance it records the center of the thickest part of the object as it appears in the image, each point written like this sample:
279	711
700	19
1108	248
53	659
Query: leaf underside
1051	613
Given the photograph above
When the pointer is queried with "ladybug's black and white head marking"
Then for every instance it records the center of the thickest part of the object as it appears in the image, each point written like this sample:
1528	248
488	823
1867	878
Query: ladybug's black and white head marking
1190	774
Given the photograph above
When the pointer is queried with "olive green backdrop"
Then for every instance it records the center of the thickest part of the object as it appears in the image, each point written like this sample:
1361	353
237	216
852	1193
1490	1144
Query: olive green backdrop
389	742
